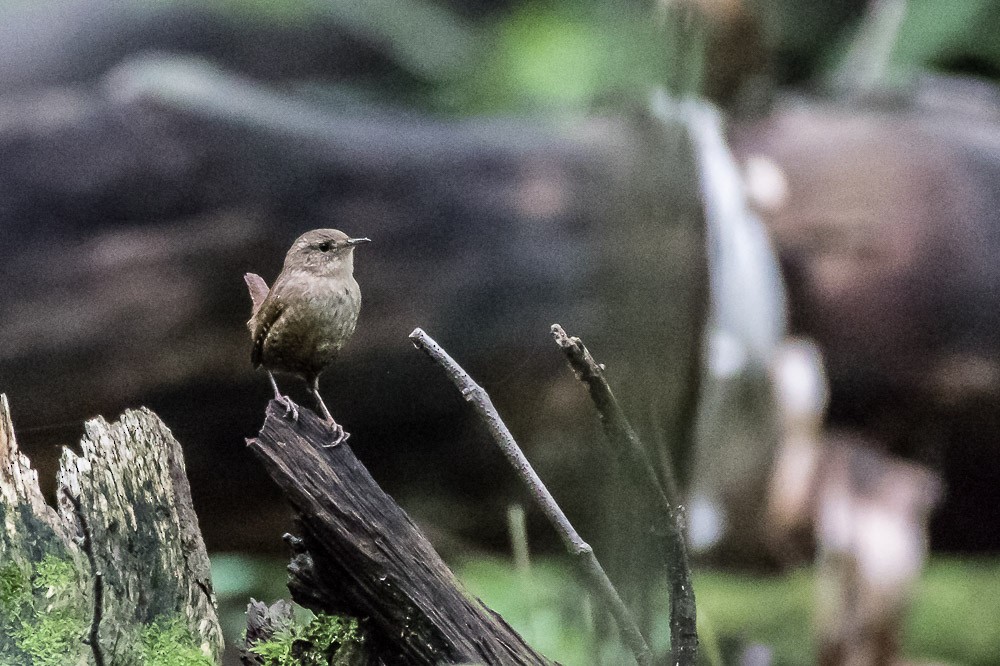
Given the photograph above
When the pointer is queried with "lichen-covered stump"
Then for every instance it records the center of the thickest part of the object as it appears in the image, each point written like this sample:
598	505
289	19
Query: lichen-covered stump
118	573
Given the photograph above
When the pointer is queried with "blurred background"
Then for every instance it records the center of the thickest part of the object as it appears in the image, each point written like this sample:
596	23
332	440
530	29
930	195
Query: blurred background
776	223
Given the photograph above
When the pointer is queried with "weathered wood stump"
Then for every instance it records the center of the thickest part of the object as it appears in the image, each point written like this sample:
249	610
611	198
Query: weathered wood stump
117	573
359	554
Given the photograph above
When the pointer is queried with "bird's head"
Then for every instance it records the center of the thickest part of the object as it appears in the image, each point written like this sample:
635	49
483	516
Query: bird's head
326	252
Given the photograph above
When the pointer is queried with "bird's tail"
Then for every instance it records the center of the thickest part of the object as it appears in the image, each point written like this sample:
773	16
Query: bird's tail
258	289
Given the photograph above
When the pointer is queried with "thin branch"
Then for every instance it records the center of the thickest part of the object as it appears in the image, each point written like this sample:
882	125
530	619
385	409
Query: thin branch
583	554
86	542
669	525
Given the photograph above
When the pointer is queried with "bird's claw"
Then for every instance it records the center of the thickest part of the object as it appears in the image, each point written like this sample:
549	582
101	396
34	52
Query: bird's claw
339	435
290	407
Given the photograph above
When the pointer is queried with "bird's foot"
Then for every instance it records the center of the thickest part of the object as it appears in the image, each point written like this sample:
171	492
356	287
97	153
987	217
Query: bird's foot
291	410
339	434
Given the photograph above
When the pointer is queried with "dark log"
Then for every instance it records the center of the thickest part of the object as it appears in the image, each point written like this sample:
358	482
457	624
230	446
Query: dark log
369	558
484	230
888	242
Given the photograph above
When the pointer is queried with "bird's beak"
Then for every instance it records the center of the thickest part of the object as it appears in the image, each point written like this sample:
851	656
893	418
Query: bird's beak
358	241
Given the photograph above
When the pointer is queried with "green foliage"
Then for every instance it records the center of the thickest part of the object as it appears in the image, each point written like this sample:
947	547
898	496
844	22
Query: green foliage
568	56
15	594
170	643
772	610
324	641
931	34
546	605
952	619
54	575
935	32
277	651
813	39
955	611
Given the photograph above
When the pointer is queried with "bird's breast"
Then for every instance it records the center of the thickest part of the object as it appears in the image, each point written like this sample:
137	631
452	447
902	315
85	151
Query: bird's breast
318	317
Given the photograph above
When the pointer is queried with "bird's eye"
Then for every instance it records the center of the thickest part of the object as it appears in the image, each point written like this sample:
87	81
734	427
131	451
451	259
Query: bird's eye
324	247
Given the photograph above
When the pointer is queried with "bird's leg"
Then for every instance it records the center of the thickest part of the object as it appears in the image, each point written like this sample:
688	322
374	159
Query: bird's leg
290	407
340	435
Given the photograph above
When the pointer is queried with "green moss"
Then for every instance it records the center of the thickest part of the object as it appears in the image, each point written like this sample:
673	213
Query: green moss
14	589
326	640
54	575
40	620
15	595
52	638
277	651
170	643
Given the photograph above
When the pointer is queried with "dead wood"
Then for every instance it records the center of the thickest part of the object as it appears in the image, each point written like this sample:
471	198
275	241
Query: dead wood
360	554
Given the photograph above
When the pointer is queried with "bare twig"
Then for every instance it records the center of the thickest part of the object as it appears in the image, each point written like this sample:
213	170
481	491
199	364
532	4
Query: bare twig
669	527
581	551
86	542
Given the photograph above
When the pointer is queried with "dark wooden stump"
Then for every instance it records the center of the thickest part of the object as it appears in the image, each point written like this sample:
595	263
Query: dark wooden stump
360	554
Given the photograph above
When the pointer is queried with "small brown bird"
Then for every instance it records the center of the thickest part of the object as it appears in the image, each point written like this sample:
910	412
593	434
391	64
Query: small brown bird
302	322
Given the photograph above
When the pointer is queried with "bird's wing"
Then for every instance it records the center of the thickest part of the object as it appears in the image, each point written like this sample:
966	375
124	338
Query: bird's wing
258	290
260	325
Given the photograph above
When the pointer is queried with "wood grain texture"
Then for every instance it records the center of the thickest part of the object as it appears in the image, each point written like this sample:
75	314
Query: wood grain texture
360	554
